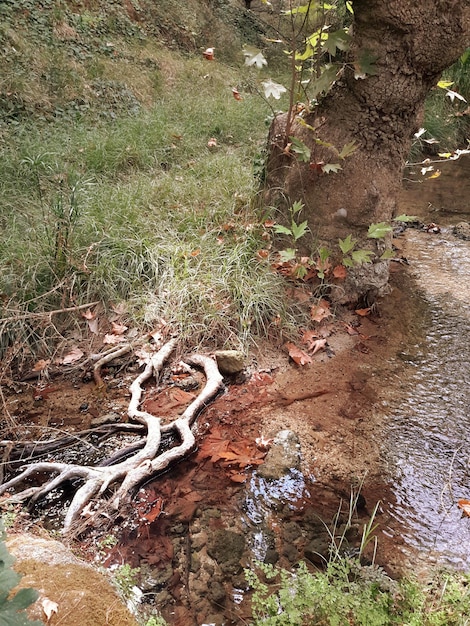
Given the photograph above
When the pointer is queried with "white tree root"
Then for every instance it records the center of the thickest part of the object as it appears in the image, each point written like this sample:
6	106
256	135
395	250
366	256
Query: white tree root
141	466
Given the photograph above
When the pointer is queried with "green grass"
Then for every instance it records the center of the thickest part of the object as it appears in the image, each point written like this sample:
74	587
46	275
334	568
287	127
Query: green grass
115	202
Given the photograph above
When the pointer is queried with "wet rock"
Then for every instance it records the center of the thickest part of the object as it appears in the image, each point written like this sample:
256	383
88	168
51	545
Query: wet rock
462	230
84	596
230	361
271	557
317	551
283	456
226	548
216	592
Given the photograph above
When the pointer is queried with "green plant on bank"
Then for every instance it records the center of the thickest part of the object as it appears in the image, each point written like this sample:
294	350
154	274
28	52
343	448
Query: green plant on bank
125	579
156	621
320	262
13	606
348	593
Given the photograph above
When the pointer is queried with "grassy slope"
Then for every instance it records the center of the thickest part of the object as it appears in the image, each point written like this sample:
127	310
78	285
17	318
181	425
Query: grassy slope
108	189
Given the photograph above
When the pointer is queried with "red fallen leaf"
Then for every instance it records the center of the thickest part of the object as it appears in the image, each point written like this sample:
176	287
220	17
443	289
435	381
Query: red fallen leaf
208	54
112	339
212	143
340	272
154	512
350	329
196	252
317	345
236	94
465	506
317	167
362	312
320	311
220	241
297	355
269	223
262	254
238	478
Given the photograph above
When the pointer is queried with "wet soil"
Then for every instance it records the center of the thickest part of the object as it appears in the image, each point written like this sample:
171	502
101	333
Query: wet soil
193	530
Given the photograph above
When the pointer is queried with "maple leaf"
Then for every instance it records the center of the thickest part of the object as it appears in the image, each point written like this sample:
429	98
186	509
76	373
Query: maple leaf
208	54
340	272
236	94
254	56
273	89
118	329
74	355
465	506
297	355
320	311
41	365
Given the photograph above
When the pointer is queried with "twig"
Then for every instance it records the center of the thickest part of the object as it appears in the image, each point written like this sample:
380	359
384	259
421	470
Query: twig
69	309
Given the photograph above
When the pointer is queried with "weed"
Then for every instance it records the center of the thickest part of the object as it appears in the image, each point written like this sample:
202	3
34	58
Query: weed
125	579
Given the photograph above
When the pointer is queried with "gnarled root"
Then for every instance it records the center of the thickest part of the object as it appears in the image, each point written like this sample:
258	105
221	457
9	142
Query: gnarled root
146	462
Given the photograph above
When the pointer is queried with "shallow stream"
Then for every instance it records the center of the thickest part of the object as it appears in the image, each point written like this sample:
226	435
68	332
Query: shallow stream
427	444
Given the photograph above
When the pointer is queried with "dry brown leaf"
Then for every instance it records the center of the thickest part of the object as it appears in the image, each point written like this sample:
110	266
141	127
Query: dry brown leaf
74	355
112	339
317	345
118	329
297	355
363	312
465	506
340	272
320	311
41	365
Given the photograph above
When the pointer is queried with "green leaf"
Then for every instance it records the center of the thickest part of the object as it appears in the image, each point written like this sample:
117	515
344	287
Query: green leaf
349	6
348	149
254	56
301	271
365	64
378	231
301	150
299	230
338	39
348	262
361	256
296	207
388	254
324	254
326	79
282	230
287	255
406	218
346	245
331	167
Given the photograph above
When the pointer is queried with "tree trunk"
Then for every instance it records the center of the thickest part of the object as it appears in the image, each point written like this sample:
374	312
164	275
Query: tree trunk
411	44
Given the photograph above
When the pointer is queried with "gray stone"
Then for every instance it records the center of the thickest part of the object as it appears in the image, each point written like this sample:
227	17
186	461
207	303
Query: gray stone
283	456
462	230
230	361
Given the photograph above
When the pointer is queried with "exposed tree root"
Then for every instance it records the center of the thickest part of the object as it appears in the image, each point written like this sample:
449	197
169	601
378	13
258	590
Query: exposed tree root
145	461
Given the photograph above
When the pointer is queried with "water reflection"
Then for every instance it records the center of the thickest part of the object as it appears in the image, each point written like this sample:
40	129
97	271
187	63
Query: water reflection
428	438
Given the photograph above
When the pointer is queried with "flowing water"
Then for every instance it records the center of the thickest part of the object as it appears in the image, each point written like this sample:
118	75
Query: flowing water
428	435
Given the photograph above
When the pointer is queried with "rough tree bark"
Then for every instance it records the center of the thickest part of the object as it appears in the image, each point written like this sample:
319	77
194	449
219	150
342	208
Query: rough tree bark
412	43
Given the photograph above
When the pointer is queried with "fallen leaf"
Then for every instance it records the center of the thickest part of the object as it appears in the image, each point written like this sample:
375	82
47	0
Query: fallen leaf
262	254
340	272
465	506
363	312
89	315
49	607
320	311
236	94
208	54
112	339
297	355
236	477
317	345
118	329
41	365
196	252
74	355
120	308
